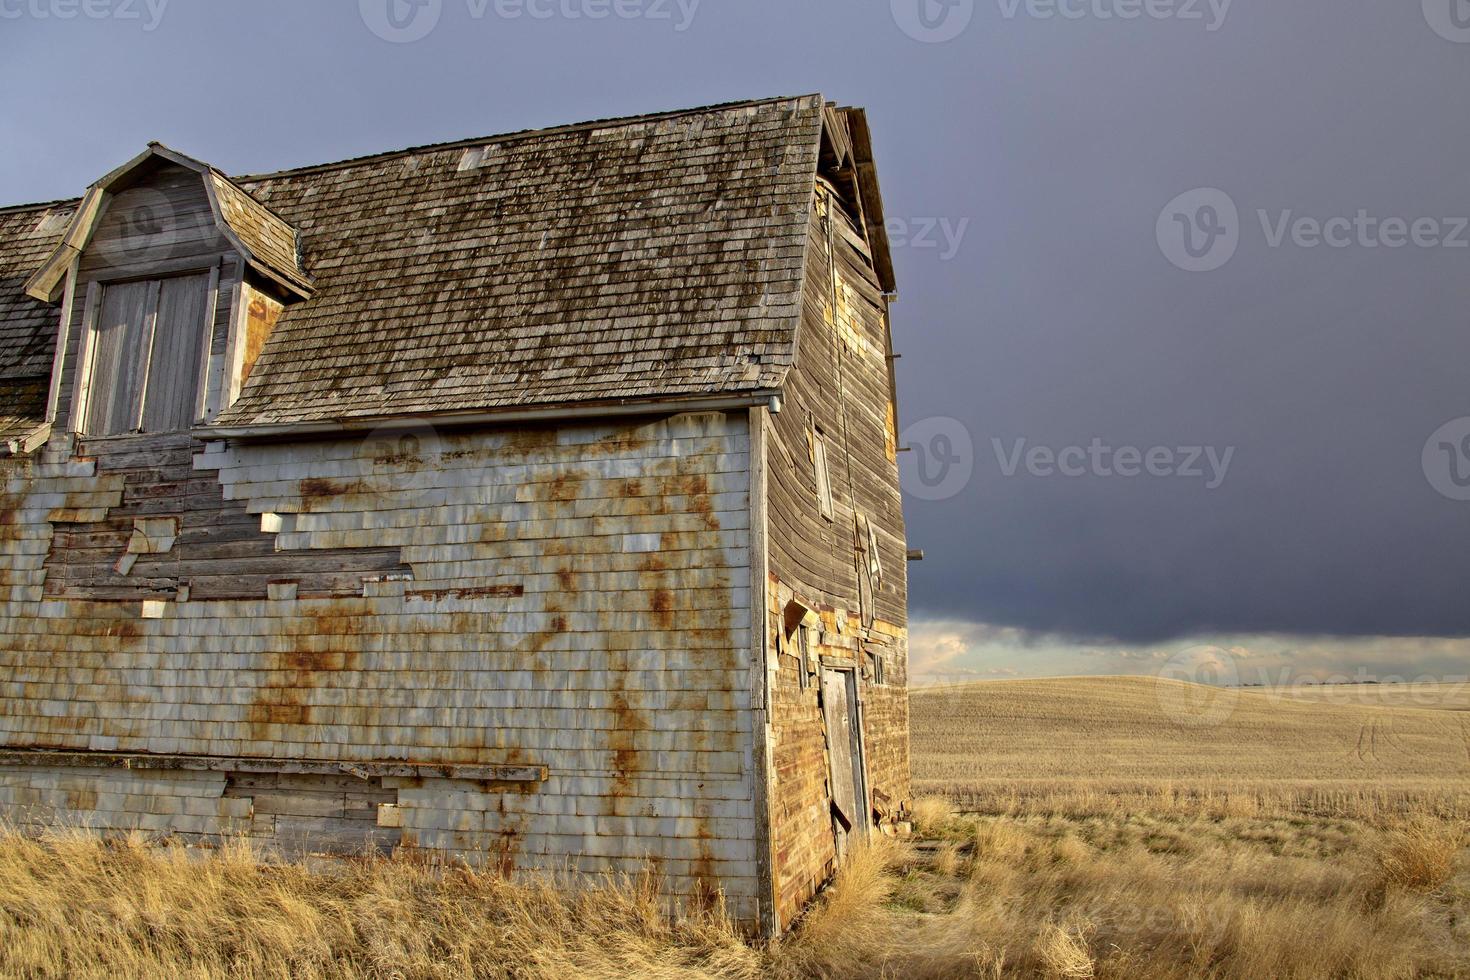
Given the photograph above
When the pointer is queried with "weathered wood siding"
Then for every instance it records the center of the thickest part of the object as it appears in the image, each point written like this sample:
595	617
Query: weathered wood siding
841	386
161	227
576	598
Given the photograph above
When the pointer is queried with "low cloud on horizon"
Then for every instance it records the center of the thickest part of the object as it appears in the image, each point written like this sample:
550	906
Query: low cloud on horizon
950	650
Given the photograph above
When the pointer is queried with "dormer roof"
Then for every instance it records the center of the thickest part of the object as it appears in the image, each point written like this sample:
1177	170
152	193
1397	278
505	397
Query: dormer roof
266	242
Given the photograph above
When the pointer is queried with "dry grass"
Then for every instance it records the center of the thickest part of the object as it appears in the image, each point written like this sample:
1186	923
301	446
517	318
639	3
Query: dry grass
1142	897
1169	897
933	815
72	906
1417	856
1120	745
1115	842
1127	827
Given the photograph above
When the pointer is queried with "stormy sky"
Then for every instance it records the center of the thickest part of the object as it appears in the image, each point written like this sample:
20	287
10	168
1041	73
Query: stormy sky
1183	290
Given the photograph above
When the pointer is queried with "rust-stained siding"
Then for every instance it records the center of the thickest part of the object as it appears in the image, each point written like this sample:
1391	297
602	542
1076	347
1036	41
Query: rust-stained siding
558	645
841	385
573	597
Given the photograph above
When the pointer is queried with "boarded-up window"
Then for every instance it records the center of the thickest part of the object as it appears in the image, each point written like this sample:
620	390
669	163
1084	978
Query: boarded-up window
118	347
824	477
147	351
879	667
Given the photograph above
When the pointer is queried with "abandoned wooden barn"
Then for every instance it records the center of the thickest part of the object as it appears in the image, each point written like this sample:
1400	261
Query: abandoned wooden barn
528	500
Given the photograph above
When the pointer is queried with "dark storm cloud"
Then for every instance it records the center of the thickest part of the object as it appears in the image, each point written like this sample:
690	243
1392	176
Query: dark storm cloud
1326	368
1027	162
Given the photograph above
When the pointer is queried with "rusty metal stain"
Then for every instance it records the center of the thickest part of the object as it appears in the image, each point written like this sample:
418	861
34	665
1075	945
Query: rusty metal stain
661	604
465	592
314	488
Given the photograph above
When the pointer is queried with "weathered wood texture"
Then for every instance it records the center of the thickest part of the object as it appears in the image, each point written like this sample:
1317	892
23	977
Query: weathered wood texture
272	243
179	802
580	599
218	549
163	226
628	258
606	601
841	387
27	326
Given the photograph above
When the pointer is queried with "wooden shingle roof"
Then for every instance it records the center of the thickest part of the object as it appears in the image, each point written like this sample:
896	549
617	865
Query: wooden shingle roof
638	258
27	326
644	258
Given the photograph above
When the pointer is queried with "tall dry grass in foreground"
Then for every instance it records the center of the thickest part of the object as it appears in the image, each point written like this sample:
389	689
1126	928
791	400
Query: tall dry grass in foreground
1137	898
1146	898
73	906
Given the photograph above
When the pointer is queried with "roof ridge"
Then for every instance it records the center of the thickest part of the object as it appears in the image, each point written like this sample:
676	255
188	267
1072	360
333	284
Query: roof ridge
521	134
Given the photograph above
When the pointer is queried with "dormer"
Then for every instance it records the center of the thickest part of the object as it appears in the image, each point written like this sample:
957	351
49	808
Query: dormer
169	278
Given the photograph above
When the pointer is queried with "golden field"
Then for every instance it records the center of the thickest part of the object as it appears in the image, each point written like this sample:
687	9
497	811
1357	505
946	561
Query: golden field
1136	744
1105	828
1154	828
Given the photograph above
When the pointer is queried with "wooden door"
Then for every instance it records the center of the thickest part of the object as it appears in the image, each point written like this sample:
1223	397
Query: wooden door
147	354
118	345
844	751
171	401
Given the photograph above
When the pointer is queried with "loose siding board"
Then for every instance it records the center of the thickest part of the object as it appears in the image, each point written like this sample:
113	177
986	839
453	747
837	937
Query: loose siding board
518	628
